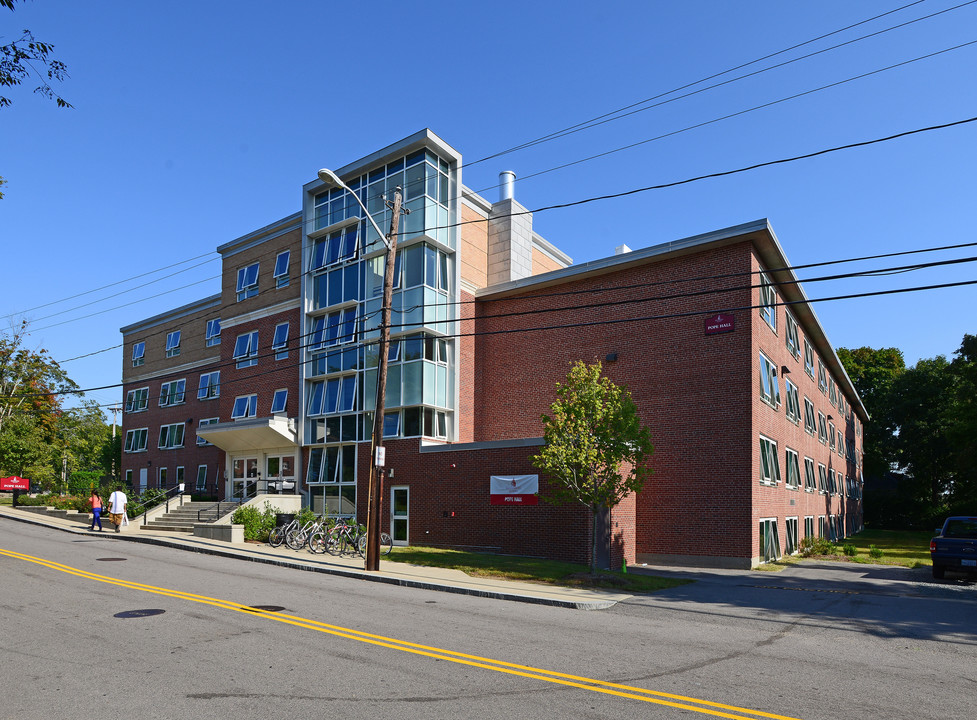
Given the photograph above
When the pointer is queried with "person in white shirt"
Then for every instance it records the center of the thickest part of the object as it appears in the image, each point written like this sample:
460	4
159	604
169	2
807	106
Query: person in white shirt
117	508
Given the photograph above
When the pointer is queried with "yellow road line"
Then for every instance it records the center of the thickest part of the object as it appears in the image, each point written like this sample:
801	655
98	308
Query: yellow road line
626	691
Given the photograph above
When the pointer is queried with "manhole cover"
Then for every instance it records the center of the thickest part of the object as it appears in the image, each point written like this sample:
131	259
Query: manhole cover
110	559
139	613
266	608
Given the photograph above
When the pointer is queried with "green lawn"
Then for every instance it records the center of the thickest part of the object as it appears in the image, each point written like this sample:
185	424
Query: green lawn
899	547
525	569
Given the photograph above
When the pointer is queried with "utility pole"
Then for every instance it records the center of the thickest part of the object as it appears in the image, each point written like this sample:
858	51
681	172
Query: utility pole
377	460
115	409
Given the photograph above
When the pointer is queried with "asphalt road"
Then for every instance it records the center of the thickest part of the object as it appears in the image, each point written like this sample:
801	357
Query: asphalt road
100	626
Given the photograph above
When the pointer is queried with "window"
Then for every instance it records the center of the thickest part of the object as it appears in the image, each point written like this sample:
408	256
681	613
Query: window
823	479
831	435
247	282
171	436
391	424
810	482
832	482
822	377
279	401
769	540
173	343
768	302
333	329
792	339
332	396
809	422
808	359
213	332
280	342
161	477
180	475
793	470
246	349
245	406
336	247
281	269
769	463
822	429
793	402
791	525
769	387
137	400
210	386
136	440
138	354
201	478
205	421
809	526
832	391
172	393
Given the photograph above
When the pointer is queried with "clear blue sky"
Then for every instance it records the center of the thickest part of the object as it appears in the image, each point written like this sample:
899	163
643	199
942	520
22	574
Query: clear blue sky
196	123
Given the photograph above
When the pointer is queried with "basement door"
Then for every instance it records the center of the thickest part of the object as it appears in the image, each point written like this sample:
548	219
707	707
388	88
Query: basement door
399	507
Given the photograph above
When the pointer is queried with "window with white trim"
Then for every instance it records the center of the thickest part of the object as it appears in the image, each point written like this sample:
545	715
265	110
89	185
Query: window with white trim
281	269
832	482
822	377
246	349
213	335
205	421
137	400
335	328
247	282
822	479
173	343
808	358
280	342
171	436
810	481
210	386
172	393
768	302
245	406
138	354
769	540
279	401
809	526
822	428
180	474
201	478
161	477
831	435
832	391
810	425
790	525
793	469
136	440
769	462
791	335
793	405
769	387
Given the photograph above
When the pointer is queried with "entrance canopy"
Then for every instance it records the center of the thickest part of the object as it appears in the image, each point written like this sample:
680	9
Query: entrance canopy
250	434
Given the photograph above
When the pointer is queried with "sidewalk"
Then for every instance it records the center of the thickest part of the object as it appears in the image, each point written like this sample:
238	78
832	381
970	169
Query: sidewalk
428	578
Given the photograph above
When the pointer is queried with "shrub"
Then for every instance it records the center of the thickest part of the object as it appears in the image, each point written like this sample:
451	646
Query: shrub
817	546
874	551
849	550
257	523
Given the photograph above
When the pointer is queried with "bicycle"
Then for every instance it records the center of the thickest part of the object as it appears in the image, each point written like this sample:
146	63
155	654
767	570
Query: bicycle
297	537
278	533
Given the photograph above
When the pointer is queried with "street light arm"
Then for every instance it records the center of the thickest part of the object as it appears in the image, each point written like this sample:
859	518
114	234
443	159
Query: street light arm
331	180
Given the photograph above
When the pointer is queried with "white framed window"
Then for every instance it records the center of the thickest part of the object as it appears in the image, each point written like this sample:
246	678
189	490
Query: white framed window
201	478
171	436
280	342
768	302
172	393
841	444
136	440
213	332
793	469
281	269
210	386
180	474
822	479
810	424
831	435
769	387
822	377
793	406
808	358
832	482
391	424
246	349
809	526
138	354
832	391
822	526
161	477
279	401
247	282
769	540
810	480
137	400
173	343
822	428
205	421
245	406
335	328
769	462
791	336
790	525
128	478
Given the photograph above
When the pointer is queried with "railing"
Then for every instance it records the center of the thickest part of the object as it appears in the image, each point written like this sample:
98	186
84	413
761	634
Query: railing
171	494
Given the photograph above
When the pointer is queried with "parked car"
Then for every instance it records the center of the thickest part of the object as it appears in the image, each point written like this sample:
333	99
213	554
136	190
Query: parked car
955	547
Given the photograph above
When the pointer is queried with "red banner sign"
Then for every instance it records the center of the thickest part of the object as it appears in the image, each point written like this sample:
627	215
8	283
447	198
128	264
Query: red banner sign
721	323
15	483
514	490
514	499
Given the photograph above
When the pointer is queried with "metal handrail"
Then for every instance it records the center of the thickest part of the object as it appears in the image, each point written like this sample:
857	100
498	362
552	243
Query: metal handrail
170	494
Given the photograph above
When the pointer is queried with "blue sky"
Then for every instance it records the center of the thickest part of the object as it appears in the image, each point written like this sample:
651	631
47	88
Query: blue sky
195	124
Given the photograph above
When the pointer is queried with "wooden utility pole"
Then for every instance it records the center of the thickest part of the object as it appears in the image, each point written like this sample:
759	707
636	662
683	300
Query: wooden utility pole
373	502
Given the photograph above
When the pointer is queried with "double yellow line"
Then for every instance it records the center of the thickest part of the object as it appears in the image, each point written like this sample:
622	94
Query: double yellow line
600	686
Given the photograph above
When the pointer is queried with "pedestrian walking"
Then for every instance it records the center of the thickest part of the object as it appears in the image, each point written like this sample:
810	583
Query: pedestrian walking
117	508
96	502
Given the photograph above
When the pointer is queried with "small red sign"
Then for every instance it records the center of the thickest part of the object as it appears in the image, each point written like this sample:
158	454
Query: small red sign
514	499
720	323
14	483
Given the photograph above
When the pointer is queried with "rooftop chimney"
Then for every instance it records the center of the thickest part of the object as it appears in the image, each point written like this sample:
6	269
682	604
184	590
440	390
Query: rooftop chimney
507	185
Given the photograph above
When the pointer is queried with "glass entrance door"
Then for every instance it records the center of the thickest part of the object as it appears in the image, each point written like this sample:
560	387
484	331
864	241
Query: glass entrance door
280	473
244	477
399	507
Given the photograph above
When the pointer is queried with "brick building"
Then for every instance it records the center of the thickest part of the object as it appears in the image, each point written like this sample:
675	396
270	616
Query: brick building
757	428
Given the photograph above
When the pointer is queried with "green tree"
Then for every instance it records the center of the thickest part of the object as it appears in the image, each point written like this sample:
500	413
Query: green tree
596	448
26	57
963	430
